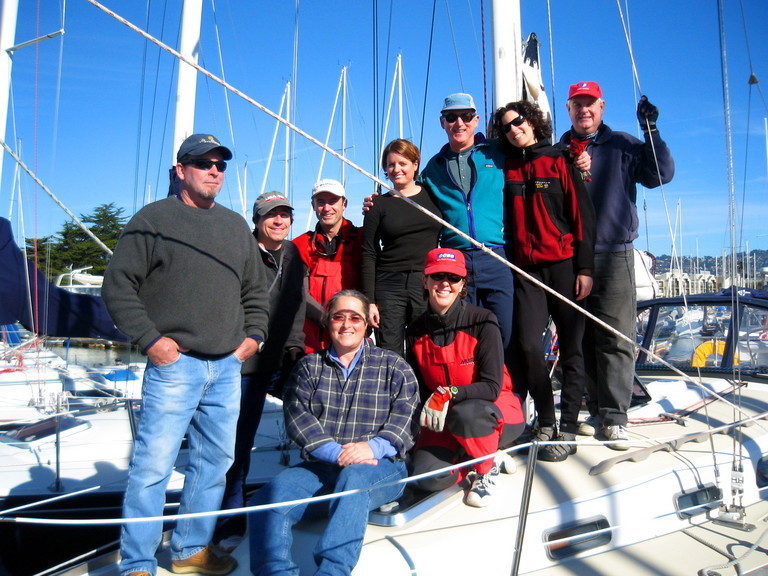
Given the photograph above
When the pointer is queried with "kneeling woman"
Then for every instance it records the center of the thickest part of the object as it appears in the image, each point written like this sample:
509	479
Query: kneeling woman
469	408
350	409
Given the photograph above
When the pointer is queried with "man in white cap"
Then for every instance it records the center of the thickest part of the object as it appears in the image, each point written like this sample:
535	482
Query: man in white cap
331	253
187	286
467	180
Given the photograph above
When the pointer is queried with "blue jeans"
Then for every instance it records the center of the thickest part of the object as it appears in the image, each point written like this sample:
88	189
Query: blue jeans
609	360
193	396
253	388
491	285
338	549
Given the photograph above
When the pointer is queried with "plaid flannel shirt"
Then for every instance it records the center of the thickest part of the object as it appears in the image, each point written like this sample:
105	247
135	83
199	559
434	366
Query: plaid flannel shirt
379	398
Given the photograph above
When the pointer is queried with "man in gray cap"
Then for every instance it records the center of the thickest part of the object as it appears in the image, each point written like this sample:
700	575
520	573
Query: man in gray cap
467	181
186	284
268	371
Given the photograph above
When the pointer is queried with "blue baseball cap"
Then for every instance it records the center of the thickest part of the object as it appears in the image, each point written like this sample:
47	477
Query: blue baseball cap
459	101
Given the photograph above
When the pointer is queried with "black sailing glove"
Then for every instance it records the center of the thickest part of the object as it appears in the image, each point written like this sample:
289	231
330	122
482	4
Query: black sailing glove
647	114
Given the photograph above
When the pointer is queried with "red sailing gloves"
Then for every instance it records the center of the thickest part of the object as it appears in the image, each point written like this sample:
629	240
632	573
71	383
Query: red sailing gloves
435	409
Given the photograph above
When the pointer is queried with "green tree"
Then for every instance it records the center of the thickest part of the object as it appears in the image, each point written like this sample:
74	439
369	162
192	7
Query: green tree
73	248
39	251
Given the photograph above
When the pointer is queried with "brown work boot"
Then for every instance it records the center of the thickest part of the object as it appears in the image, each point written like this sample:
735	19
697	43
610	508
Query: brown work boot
139	573
205	562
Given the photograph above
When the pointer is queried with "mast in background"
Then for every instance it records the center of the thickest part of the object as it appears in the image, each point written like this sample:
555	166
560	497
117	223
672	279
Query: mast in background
8	13
186	83
507	53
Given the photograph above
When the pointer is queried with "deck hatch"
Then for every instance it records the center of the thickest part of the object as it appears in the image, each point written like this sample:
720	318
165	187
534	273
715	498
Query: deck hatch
699	501
570	539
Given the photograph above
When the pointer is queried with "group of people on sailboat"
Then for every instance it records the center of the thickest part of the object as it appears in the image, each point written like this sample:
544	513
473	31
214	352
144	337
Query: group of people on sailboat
458	333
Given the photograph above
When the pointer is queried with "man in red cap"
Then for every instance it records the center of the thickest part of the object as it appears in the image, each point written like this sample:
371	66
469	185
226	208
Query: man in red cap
619	162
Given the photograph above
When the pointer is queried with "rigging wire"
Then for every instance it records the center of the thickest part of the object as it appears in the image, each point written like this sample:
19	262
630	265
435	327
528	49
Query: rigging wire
753	83
292	108
485	64
375	51
553	108
142	83
241	192
57	105
427	75
455	47
636	77
381	114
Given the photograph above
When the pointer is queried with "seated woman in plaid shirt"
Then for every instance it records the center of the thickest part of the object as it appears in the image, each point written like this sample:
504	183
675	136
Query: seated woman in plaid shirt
350	409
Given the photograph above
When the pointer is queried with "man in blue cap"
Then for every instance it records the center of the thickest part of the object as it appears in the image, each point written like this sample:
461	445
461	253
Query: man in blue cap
467	180
186	284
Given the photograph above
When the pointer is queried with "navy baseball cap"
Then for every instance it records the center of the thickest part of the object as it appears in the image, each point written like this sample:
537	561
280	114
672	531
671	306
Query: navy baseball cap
199	144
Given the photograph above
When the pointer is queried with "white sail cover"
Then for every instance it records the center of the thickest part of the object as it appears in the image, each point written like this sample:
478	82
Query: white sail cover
533	85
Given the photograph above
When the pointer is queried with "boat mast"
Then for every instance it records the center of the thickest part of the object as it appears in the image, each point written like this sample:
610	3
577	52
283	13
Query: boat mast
8	12
732	221
186	82
507	52
397	88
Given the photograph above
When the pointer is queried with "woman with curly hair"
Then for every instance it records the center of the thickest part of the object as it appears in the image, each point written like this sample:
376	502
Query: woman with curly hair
550	235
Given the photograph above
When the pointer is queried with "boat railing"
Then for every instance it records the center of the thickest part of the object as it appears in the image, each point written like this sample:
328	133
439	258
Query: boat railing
641	452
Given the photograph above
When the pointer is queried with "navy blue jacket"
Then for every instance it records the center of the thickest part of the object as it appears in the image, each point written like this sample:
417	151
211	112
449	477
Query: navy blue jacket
619	162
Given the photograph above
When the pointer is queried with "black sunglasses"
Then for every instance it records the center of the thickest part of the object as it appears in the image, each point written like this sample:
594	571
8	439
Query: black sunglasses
516	122
440	276
467	117
202	164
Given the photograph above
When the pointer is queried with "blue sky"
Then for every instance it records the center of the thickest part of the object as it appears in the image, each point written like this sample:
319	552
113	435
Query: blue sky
102	133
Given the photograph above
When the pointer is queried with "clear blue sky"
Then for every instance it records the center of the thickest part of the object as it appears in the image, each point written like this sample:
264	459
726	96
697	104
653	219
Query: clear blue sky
109	139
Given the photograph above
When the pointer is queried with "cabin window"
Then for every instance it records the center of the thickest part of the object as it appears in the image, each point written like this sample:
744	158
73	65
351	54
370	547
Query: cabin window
699	501
753	337
698	336
570	539
761	470
41	429
683	336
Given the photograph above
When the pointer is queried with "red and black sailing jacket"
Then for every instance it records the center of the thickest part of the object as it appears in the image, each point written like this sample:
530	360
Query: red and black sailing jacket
549	216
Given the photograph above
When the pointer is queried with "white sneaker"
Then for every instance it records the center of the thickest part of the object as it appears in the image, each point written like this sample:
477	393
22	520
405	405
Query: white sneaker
505	463
481	493
589	427
617	435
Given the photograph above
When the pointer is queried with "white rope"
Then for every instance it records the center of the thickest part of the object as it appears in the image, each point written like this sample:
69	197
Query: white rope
262	507
37	180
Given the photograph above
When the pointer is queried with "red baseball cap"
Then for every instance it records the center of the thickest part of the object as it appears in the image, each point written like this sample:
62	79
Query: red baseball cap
445	260
585	89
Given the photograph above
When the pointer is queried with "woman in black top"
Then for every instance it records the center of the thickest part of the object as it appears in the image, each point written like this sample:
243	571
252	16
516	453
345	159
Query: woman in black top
396	239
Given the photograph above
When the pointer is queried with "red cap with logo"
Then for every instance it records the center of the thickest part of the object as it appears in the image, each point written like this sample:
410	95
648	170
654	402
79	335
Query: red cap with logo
445	260
585	89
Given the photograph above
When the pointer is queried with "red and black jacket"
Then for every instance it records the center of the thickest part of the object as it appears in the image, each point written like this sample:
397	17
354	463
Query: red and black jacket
549	216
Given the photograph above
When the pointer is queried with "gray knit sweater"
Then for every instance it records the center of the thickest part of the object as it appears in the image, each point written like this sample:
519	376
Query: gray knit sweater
191	274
